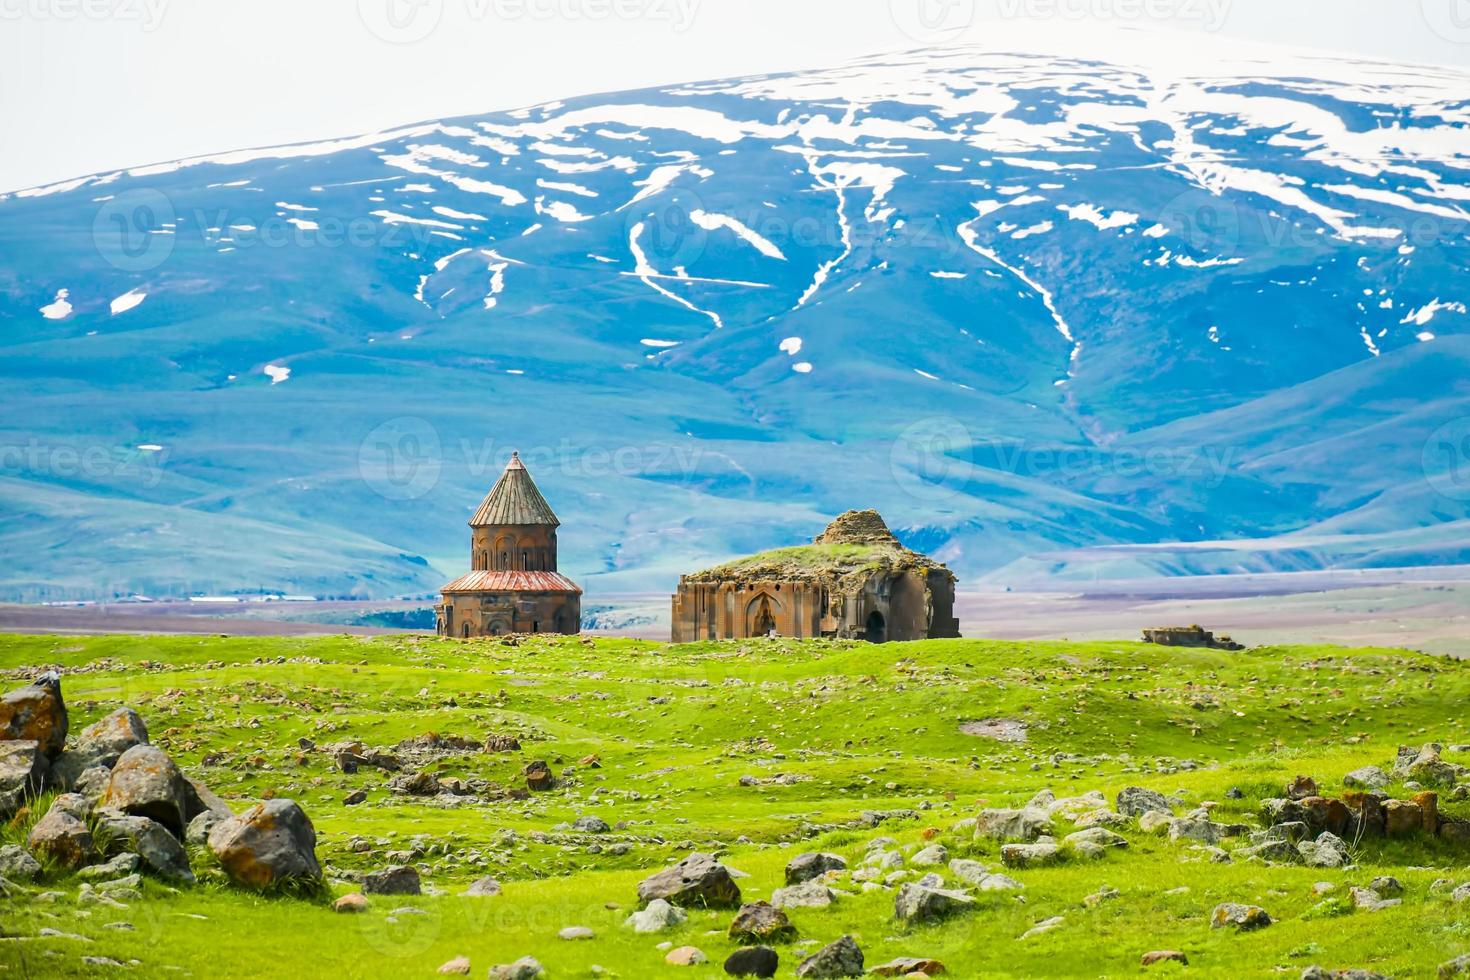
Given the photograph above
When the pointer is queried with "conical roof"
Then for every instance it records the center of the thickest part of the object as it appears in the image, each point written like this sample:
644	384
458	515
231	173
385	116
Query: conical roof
514	500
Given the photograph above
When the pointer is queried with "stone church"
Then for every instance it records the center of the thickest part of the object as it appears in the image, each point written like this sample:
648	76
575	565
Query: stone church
854	580
514	586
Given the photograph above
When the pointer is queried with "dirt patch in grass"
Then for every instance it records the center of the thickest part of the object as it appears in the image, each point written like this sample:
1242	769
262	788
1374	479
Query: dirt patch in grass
1000	729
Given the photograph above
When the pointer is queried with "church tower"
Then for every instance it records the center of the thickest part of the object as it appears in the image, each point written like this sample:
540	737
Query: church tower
513	585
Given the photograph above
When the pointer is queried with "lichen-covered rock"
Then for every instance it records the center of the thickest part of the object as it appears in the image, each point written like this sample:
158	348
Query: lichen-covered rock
1135	801
908	966
269	844
1025	824
916	903
198	799
1238	916
1403	818
198	830
146	783
1101	836
761	922
1369	778
659	915
17	864
525	968
697	880
539	777
23	772
1327	851
62	838
840	959
753	961
100	744
151	841
813	894
805	867
1276	851
930	857
35	713
1429	770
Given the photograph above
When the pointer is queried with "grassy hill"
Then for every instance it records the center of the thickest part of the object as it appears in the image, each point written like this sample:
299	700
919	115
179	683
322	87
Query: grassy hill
845	742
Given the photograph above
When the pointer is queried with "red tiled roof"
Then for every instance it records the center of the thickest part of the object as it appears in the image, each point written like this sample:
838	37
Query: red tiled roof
512	582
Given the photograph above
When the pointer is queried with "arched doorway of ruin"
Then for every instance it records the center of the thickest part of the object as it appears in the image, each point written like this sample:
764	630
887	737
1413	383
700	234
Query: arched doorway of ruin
877	631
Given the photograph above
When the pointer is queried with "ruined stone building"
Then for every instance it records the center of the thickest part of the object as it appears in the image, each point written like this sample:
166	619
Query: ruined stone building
853	580
514	586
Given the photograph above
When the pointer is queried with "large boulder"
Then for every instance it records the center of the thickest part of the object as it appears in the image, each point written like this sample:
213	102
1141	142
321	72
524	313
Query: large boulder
63	838
160	850
23	772
1429	770
16	864
100	744
840	959
269	844
146	783
1135	801
1369	778
805	867
1027	823
915	903
199	800
35	713
697	880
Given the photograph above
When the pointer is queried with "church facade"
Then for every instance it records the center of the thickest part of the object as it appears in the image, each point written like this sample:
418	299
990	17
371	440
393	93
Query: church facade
513	585
855	580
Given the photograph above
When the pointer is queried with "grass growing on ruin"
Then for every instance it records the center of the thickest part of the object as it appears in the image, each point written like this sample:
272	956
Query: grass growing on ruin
848	728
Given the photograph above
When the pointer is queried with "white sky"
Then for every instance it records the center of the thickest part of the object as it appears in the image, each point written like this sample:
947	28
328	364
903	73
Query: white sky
94	85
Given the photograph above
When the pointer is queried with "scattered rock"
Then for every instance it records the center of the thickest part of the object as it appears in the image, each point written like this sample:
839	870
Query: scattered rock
35	713
1457	967
61	837
482	888
1327	851
805	867
1387	886
146	783
353	799
1135	801
591	825
1238	916
1429	770
1370	901
1301	787
1044	926
270	843
698	879
396	880
686	956
1370	778
100	744
23	772
1101	836
812	894
916	903
753	961
932	856
970	872
198	830
355	902
525	968
909	966
761	922
118	866
460	965
841	959
1164	956
1155	821
659	915
17	864
1103	894
1403	818
159	849
574	934
539	777
422	783
1030	855
1028	824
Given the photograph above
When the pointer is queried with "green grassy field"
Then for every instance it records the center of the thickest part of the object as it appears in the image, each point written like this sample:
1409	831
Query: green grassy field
852	728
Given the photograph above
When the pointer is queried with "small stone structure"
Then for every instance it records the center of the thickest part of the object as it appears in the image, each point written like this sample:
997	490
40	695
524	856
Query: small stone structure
854	580
1189	636
514	586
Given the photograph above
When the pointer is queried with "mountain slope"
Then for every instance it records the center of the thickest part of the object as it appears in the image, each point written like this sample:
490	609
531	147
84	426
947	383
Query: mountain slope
1027	303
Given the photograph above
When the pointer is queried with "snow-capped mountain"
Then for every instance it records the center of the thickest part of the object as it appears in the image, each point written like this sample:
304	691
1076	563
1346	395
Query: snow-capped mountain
1050	312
